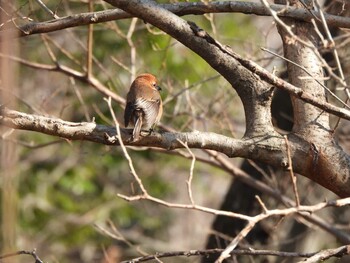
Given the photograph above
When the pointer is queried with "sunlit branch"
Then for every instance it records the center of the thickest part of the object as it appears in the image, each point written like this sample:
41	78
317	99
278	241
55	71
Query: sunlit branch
181	9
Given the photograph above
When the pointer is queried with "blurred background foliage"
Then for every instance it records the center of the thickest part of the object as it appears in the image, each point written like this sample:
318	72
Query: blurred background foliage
67	190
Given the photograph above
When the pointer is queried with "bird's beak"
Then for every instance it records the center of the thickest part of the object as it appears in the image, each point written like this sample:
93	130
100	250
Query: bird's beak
158	88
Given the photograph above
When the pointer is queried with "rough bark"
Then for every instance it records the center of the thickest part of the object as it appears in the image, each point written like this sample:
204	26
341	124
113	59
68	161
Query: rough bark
179	9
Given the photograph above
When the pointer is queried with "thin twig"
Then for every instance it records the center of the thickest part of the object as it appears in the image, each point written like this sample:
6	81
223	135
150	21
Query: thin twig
263	206
185	206
291	173
330	38
95	83
48	10
289	31
31	145
49	50
307	72
114	233
126	154
89	44
132	48
80	99
23	252
171	98
328	253
189	181
244	232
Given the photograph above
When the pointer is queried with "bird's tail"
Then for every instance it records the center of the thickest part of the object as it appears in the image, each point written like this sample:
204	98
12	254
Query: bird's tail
138	125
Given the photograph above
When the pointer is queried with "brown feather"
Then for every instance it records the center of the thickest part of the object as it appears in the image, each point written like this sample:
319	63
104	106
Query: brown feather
144	104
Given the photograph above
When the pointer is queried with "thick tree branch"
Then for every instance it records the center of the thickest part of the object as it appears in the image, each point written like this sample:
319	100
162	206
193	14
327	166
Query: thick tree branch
302	50
268	149
180	9
93	132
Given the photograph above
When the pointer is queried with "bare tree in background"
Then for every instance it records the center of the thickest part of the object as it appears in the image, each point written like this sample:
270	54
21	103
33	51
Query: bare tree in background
318	92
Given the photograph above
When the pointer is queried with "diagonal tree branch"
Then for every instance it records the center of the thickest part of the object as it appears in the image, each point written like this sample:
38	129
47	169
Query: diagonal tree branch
180	9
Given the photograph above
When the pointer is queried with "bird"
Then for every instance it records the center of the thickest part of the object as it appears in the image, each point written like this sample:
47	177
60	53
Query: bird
144	106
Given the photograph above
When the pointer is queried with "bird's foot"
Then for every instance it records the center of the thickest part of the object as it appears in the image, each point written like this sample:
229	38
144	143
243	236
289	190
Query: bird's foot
150	131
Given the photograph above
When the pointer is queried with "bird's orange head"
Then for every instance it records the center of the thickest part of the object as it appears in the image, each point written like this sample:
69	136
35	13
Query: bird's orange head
148	79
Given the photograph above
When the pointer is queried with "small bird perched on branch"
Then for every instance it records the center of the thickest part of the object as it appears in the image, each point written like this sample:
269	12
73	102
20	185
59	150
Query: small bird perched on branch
144	106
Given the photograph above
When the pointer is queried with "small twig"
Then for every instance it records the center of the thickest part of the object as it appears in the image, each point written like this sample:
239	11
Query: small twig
121	64
330	39
89	44
263	206
328	253
48	10
132	48
335	53
31	145
49	50
126	154
80	99
169	99
189	181
308	9
291	173
307	72
95	83
244	232
114	233
288	30
23	252
63	50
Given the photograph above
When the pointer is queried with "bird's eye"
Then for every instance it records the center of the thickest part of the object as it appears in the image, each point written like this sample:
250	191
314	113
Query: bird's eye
154	84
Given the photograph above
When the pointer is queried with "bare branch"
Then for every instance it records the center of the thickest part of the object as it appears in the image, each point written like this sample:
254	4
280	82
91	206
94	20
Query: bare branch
48	10
90	42
95	83
191	253
307	72
268	213
328	253
180	9
233	244
23	252
291	173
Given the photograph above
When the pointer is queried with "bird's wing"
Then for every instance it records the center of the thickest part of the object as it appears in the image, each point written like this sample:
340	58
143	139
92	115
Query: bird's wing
150	109
138	125
128	113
